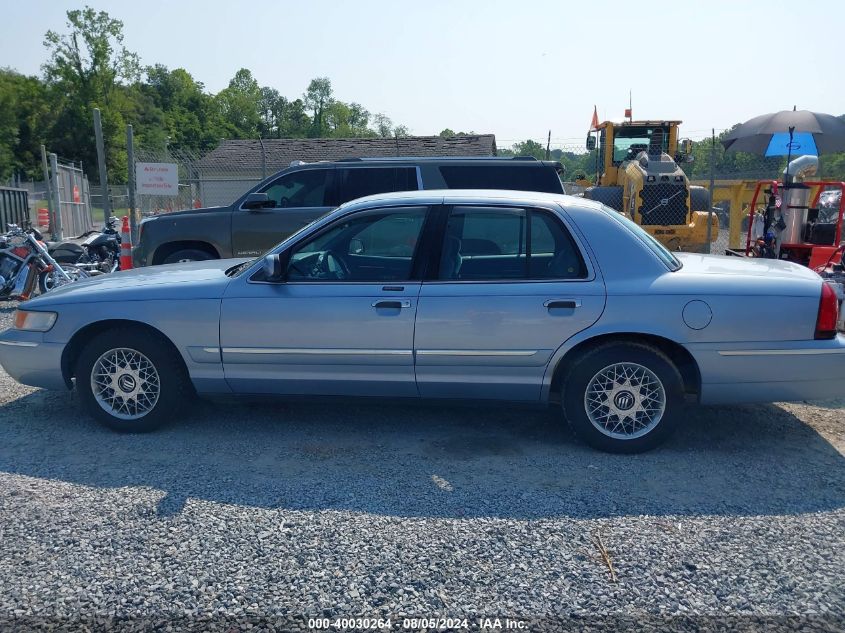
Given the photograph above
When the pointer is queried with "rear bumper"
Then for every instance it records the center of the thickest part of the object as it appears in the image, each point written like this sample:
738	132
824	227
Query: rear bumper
771	372
29	360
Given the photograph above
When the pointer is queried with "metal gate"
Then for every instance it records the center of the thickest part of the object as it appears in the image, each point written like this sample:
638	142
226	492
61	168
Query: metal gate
74	200
14	207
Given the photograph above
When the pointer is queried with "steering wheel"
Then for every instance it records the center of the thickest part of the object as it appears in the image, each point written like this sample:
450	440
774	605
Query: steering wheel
283	202
329	266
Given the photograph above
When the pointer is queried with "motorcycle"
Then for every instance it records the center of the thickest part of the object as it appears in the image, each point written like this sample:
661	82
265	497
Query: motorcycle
98	253
25	261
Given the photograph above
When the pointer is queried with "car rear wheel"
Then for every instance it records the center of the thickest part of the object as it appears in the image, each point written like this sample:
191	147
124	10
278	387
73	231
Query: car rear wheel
187	255
131	381
623	397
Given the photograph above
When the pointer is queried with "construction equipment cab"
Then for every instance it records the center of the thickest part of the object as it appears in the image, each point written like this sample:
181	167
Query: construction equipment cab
638	174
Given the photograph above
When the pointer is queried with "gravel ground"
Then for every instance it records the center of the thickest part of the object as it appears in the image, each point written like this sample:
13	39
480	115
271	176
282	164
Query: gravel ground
243	512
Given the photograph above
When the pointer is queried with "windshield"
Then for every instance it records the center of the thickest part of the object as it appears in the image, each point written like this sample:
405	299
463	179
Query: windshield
664	254
630	141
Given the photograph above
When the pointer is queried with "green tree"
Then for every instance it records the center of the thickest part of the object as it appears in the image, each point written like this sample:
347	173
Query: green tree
239	105
385	128
88	67
317	98
25	116
529	148
295	123
187	117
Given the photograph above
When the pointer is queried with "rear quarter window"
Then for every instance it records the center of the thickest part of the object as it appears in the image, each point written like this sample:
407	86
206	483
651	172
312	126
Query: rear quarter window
531	177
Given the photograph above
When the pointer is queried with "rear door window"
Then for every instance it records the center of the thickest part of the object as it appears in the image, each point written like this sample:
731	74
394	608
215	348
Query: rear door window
516	177
492	244
357	182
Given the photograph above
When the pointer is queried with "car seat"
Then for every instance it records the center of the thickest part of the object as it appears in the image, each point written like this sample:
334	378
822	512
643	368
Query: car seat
451	259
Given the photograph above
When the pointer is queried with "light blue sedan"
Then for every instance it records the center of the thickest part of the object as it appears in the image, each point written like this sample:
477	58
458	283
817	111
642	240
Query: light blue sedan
482	295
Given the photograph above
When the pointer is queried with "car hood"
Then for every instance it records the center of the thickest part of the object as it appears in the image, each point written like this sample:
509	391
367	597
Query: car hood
192	280
199	211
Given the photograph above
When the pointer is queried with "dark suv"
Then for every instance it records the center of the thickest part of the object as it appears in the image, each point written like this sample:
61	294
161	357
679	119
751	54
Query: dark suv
284	203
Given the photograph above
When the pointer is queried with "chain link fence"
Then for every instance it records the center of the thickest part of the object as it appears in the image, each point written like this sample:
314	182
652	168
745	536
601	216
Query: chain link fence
735	176
196	188
219	175
67	197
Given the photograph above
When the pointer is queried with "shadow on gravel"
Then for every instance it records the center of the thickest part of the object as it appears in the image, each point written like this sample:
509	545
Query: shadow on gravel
430	461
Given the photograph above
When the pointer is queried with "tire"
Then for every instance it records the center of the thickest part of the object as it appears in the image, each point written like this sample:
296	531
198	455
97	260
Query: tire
48	280
188	255
699	198
605	361
611	196
154	361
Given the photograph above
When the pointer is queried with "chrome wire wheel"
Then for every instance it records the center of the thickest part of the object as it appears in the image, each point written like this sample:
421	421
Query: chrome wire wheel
125	383
625	401
53	279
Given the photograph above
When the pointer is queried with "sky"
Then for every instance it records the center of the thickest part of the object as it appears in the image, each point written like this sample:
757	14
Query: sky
513	68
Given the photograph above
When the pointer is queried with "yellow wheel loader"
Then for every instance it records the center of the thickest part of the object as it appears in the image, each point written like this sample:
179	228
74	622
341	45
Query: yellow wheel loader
638	174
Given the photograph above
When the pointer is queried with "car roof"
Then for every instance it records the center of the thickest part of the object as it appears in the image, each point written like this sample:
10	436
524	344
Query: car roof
465	196
521	161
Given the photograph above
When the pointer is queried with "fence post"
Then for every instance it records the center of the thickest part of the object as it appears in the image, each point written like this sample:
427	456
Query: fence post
54	165
263	160
50	209
130	154
101	159
712	186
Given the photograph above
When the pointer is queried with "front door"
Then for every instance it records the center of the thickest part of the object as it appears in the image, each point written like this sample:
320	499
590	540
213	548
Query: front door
511	286
342	323
296	199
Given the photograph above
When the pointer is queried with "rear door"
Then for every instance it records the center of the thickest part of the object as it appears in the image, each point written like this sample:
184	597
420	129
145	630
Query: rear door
511	285
356	182
297	198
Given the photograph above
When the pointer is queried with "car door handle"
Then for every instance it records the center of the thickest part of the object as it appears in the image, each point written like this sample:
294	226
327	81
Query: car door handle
562	303
392	303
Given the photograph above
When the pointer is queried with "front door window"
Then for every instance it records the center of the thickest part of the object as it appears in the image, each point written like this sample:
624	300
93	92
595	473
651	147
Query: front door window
305	188
373	246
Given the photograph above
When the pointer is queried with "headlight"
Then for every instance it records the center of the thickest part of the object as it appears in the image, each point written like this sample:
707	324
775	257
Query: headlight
34	321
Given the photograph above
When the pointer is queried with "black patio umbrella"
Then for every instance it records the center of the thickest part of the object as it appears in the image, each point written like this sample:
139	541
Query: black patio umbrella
788	132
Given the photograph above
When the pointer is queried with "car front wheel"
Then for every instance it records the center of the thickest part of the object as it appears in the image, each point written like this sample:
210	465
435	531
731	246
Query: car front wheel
131	381
623	397
187	255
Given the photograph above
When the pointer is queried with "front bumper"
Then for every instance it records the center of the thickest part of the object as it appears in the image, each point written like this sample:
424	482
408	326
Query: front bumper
27	358
139	257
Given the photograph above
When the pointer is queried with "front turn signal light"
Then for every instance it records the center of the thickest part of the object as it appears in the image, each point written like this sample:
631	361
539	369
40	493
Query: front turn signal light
34	321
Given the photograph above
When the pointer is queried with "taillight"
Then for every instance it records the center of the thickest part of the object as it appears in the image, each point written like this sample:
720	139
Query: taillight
828	313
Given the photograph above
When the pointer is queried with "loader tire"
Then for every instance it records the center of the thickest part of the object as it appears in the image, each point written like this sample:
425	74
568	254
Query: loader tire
611	196
699	199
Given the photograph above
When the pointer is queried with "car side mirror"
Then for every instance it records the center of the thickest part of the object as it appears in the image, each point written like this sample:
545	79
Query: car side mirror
275	266
257	200
591	142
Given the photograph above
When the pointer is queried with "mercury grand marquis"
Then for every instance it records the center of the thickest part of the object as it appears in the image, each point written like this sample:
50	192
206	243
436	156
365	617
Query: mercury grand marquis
479	295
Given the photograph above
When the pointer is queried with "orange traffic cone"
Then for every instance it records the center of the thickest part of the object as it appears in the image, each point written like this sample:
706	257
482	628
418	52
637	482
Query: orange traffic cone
125	245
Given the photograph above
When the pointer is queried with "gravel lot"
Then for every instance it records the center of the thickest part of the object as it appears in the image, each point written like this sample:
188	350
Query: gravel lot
238	513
